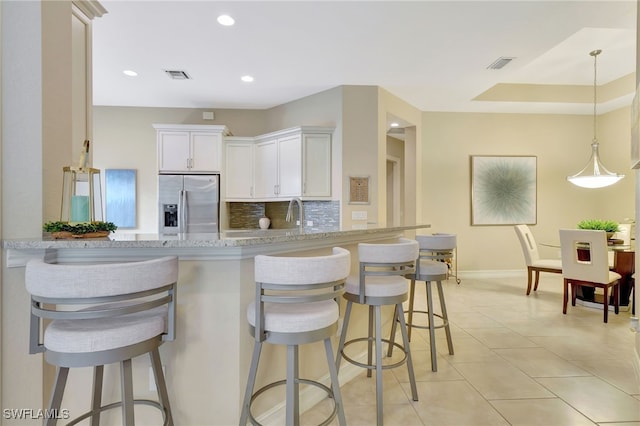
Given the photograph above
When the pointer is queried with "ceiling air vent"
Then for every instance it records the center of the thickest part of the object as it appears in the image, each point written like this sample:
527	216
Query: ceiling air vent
177	75
500	63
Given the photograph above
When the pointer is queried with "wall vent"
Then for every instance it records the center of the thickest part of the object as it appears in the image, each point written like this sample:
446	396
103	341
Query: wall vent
500	63
177	75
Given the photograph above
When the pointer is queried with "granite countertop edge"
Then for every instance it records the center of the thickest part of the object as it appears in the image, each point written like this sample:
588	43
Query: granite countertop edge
232	238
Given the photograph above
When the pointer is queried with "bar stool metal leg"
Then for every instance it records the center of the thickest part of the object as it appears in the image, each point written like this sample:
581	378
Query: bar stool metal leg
251	381
161	385
432	330
335	385
378	363
412	288
445	317
96	398
58	391
293	387
343	334
405	339
127	393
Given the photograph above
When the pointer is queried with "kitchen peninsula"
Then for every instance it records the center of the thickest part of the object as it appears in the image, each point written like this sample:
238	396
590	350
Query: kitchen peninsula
207	364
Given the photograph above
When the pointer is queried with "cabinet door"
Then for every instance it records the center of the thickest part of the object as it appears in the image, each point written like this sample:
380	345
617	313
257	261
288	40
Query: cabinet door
239	171
266	169
290	166
317	165
205	152
173	151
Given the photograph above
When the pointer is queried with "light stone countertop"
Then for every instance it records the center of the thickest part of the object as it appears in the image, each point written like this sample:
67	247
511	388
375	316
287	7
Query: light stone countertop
214	246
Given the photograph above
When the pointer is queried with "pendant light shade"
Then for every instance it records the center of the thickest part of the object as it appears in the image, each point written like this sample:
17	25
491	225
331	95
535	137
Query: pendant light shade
594	174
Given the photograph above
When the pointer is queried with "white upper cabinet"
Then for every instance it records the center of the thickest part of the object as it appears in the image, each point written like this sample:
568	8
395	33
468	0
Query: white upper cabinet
189	148
290	163
238	171
316	167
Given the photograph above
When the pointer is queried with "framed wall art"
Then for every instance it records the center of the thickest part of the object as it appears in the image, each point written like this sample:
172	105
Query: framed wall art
358	189
503	190
120	206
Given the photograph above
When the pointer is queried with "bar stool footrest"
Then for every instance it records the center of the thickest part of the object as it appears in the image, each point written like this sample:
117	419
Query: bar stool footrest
284	382
149	402
444	323
373	366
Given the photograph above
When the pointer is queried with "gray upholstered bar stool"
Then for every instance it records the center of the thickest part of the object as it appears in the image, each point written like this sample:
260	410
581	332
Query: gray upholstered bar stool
296	304
431	267
102	314
380	282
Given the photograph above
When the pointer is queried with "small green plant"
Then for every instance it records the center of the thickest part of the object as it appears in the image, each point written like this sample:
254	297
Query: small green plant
79	228
599	225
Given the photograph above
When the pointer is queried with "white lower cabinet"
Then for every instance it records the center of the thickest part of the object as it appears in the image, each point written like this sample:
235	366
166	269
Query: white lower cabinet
290	163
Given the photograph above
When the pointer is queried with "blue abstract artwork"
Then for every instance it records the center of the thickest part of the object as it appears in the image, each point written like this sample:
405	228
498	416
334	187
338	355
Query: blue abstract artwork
120	195
503	190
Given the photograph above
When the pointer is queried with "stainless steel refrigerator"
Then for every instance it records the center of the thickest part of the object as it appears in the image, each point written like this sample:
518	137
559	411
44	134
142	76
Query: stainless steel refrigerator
188	203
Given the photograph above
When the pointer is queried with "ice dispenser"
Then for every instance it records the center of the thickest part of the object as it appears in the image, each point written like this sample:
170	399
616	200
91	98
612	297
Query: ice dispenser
170	215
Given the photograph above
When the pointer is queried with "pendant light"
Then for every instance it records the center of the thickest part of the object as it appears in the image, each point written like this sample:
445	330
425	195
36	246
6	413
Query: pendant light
594	174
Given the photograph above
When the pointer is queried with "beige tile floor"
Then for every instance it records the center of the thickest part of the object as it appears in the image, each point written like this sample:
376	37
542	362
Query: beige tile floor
518	361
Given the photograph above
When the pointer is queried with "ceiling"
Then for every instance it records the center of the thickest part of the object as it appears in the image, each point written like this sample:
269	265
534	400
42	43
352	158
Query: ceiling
432	54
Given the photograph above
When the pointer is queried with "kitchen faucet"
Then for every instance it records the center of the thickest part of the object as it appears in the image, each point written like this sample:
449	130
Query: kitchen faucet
289	217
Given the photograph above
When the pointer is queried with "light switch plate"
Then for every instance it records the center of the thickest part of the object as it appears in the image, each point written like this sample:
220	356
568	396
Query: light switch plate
359	215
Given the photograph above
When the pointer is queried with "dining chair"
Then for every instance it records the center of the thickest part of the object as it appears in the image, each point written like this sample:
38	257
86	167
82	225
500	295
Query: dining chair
535	264
585	263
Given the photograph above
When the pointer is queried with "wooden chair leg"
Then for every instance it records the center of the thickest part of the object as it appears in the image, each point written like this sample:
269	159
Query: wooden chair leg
565	296
529	279
605	303
535	285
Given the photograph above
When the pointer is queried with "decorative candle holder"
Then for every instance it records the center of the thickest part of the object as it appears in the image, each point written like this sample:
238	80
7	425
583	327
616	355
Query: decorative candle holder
81	195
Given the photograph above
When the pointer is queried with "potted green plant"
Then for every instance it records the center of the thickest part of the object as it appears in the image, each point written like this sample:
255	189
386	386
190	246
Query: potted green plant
61	230
609	226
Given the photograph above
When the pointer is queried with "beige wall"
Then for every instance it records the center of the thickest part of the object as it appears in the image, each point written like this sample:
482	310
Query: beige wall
561	144
22	193
437	170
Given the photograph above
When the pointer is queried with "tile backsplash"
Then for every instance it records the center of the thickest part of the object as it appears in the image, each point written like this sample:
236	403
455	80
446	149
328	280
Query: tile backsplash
323	214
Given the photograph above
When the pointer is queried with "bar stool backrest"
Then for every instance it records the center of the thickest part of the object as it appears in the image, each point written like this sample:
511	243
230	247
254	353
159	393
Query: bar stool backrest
386	259
299	271
298	280
76	292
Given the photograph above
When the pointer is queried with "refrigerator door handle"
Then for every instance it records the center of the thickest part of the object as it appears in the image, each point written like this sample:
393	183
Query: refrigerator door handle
182	211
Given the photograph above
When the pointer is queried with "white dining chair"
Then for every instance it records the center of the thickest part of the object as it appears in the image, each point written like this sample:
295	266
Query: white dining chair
585	263
535	264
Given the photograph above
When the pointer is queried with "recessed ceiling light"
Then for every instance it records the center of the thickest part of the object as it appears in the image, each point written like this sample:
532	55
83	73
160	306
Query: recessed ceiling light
394	124
130	73
226	20
246	78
